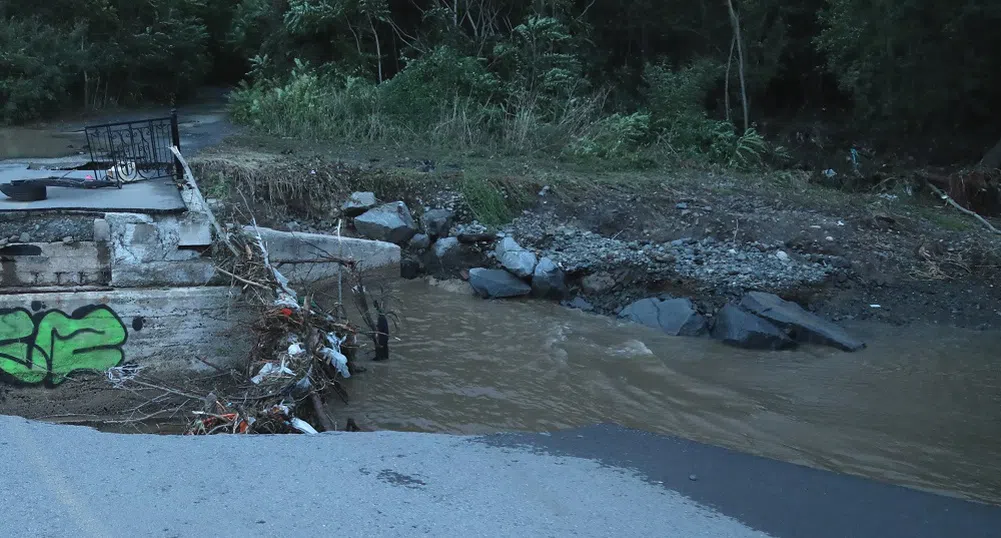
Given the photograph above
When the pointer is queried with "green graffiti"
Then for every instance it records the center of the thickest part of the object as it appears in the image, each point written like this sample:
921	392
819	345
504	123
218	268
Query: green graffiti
51	345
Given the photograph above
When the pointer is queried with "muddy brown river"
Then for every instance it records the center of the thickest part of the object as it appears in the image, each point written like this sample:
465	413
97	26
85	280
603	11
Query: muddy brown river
921	406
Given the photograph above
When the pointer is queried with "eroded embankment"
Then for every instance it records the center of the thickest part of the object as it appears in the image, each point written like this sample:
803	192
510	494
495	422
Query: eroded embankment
710	237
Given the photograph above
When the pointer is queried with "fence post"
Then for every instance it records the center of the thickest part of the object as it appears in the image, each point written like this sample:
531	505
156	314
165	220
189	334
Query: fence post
175	139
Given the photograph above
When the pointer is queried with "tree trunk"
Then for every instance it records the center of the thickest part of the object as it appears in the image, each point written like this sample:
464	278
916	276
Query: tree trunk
740	59
378	47
726	84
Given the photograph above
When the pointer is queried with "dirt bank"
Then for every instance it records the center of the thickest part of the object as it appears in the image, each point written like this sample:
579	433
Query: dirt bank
894	255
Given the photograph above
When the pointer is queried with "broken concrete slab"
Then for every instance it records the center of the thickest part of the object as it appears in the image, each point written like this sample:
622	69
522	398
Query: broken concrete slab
304	257
151	196
145	251
195	230
802	326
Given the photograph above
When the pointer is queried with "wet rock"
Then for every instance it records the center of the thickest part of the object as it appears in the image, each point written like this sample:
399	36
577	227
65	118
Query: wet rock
447	250
579	303
358	203
802	326
497	283
676	317
739	328
597	283
420	242
410	268
24	237
515	258
548	280
389	222
437	222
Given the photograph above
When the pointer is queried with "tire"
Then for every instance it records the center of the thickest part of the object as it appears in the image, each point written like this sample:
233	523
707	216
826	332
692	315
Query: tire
24	191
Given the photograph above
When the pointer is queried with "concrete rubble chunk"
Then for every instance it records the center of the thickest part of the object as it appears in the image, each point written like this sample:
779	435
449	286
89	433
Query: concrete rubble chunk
358	203
437	222
515	258
389	222
548	280
739	328
676	317
301	256
803	326
497	284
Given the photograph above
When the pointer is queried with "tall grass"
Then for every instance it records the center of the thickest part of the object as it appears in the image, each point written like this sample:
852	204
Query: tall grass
310	107
448	101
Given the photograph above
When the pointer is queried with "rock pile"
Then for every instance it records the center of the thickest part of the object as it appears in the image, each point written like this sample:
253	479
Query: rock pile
541	278
757	321
762	321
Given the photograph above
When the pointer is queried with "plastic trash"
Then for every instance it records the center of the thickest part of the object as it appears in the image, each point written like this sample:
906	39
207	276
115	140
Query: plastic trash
337	360
302	425
271	369
830	173
334	355
295	349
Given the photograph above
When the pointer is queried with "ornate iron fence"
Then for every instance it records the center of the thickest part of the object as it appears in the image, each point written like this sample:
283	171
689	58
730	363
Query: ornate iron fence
139	149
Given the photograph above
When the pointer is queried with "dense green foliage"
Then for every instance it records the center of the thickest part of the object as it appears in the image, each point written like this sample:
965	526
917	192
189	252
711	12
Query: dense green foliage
589	79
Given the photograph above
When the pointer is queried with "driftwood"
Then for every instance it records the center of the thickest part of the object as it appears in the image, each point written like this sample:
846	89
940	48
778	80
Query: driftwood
953	203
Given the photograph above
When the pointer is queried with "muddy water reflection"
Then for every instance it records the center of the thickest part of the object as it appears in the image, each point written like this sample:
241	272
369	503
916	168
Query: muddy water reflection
921	406
20	143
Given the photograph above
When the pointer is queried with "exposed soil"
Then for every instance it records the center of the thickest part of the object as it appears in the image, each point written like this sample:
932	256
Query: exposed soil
893	254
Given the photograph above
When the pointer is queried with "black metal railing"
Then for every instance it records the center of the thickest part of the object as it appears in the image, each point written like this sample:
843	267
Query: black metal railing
140	148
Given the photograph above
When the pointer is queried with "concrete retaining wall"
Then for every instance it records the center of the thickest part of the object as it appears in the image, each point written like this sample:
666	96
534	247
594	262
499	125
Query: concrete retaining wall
50	335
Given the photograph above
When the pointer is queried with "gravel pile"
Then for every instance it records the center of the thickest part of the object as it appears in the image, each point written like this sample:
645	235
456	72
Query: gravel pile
718	264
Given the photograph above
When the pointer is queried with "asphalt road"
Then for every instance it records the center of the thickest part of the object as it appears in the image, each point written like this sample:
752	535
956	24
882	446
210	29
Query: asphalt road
599	481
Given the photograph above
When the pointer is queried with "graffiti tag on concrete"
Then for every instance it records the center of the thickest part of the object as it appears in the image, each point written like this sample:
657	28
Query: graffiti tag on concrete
50	345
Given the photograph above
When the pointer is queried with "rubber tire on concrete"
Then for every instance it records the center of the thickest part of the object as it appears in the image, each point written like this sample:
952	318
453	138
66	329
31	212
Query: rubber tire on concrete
22	191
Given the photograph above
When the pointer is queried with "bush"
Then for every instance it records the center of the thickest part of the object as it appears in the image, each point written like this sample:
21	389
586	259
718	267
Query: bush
310	105
617	138
429	87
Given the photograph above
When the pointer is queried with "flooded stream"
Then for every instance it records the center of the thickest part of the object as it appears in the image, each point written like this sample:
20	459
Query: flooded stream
921	406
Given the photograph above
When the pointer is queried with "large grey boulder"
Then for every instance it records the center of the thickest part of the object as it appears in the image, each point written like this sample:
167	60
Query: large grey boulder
437	222
497	283
358	203
389	222
739	328
548	280
447	250
801	325
515	258
676	317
